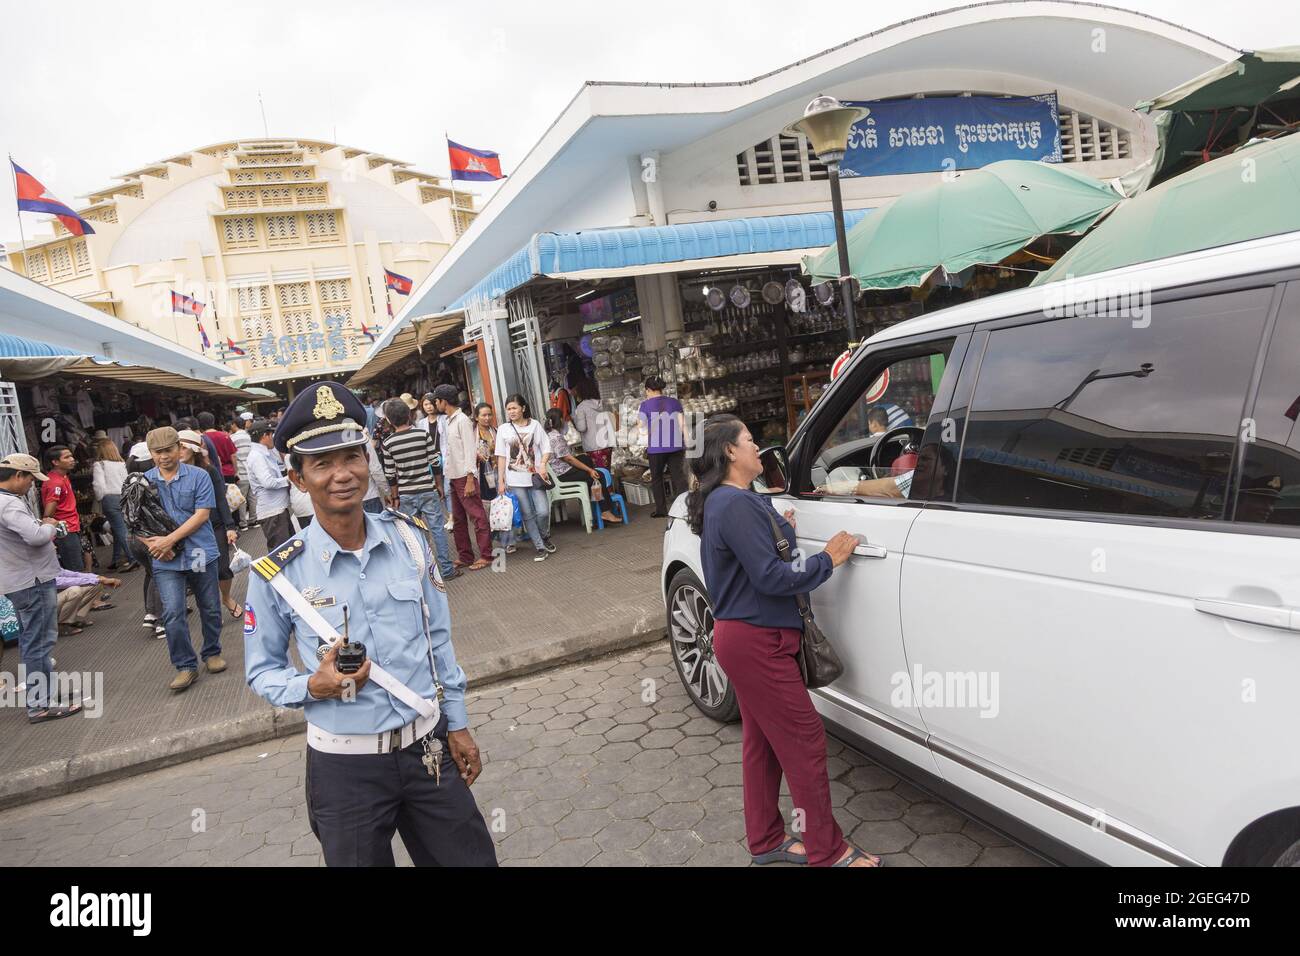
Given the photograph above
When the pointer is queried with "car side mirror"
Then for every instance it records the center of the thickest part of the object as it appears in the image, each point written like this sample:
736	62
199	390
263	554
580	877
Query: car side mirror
776	469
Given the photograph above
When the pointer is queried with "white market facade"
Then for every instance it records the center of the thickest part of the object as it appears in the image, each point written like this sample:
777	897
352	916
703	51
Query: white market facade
709	158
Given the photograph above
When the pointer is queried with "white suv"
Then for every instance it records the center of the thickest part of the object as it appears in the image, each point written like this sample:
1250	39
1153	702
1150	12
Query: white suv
1076	610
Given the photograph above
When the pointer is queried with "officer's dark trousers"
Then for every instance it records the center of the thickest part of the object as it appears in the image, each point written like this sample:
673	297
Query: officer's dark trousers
277	529
355	802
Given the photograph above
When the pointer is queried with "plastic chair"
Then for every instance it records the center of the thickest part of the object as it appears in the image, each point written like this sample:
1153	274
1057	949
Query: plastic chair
569	491
616	500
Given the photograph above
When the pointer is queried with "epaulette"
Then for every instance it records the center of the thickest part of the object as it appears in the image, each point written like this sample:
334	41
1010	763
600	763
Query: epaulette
271	565
409	519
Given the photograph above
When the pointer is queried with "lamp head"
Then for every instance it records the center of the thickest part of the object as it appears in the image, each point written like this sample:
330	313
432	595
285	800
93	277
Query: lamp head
826	122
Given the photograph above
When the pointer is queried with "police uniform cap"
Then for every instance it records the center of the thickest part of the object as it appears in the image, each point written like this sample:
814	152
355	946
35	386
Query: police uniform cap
324	417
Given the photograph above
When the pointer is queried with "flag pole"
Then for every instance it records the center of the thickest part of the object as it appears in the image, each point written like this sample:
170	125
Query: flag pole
13	172
452	177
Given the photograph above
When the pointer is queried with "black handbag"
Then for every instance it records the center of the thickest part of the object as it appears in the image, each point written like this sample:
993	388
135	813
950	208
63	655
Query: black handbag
819	665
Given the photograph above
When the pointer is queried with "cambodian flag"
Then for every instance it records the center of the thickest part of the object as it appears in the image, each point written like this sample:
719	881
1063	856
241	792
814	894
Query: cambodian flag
480	165
398	283
32	197
366	332
183	303
230	343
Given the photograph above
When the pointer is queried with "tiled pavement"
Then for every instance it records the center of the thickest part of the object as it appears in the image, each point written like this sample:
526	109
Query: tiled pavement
596	588
604	764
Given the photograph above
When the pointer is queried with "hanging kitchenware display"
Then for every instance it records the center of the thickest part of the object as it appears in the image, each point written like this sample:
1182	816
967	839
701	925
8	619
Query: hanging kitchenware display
773	294
824	292
716	298
795	296
740	297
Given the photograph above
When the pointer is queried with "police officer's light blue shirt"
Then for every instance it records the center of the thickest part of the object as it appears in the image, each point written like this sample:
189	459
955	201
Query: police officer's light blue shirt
189	490
382	593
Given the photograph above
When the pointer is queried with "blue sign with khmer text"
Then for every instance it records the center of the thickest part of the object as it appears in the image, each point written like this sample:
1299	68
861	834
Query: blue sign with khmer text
951	133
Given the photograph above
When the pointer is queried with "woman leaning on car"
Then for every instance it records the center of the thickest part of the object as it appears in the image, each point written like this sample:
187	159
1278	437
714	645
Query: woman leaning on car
756	635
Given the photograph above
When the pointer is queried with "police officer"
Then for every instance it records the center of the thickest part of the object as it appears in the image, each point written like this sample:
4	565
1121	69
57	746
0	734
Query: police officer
389	748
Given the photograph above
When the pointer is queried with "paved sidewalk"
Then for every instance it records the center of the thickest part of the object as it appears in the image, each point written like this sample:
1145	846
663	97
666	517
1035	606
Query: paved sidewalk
603	764
598	593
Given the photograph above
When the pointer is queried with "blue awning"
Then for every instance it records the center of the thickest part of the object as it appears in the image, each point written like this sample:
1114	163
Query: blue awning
15	346
560	253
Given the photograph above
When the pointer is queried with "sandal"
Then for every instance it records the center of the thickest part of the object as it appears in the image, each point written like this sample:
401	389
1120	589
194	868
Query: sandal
480	564
236	612
53	713
856	854
781	854
106	606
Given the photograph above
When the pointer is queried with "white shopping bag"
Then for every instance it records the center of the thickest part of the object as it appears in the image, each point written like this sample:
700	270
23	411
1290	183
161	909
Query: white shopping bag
239	560
501	513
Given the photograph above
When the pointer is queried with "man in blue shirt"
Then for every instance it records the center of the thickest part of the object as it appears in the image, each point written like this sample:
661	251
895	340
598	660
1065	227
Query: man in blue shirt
376	762
185	558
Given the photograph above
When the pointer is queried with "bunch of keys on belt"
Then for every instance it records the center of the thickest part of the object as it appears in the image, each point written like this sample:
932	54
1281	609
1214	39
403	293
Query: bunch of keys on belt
432	758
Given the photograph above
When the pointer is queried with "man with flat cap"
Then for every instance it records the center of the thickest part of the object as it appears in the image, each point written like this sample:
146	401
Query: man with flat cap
389	749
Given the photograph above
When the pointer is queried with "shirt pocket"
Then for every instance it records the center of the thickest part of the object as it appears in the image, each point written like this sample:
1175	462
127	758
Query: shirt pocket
407	594
183	498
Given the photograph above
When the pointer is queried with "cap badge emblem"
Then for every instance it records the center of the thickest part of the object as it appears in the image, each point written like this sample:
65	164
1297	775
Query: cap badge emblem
327	406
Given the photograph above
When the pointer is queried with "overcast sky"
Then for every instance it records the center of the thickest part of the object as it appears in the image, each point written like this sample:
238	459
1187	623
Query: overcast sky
97	88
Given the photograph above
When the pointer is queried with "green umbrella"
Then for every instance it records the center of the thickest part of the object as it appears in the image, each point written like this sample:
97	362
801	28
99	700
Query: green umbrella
1219	110
1254	192
981	217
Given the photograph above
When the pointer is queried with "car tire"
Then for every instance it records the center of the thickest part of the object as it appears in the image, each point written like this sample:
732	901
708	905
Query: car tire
690	638
1290	856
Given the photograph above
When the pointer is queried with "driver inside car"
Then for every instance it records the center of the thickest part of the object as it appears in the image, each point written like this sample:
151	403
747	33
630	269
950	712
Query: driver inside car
927	462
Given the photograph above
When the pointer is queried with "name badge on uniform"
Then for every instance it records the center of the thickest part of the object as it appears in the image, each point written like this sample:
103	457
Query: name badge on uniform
323	602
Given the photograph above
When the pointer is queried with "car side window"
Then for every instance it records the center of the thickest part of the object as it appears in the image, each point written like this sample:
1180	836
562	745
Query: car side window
891	405
1269	490
1113	415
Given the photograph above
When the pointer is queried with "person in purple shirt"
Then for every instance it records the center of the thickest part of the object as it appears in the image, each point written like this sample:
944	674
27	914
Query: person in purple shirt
77	594
661	416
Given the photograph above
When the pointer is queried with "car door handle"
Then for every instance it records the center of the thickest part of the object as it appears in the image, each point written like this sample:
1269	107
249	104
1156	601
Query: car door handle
1281	617
869	551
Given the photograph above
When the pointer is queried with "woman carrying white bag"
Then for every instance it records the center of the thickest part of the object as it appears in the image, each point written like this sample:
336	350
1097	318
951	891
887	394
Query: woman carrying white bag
500	508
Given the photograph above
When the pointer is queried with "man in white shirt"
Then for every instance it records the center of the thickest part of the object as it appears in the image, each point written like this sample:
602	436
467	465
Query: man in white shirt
460	466
269	485
243	445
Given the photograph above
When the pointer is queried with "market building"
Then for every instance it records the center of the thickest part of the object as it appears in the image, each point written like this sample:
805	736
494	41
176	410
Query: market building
284	241
661	226
69	372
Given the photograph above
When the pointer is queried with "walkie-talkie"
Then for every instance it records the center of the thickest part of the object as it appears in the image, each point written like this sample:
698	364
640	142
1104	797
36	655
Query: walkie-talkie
351	654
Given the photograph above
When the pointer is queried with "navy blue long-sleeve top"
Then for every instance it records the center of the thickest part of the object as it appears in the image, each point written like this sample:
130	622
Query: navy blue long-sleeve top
746	578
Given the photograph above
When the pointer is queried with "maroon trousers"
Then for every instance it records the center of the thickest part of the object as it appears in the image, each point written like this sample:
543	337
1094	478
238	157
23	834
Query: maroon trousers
781	732
471	505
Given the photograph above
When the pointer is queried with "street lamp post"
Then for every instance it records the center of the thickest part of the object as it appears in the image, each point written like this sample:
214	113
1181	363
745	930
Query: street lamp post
827	122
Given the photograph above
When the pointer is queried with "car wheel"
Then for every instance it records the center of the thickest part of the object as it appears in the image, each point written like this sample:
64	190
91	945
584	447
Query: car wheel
1290	856
690	633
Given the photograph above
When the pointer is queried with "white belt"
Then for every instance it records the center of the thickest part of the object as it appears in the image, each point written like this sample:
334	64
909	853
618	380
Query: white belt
382	743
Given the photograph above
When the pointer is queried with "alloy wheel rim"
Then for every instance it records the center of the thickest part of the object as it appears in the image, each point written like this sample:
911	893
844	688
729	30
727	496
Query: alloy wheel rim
691	632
